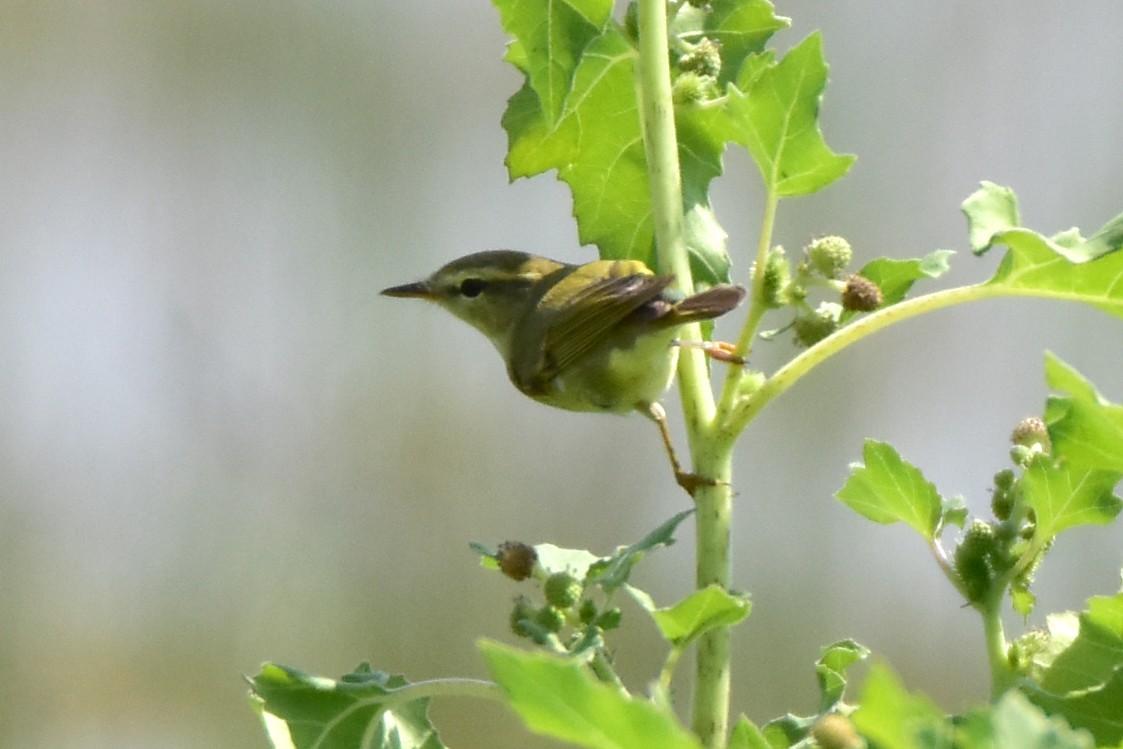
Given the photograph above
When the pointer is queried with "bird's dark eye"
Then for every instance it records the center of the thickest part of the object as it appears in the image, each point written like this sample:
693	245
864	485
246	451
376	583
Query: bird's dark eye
472	287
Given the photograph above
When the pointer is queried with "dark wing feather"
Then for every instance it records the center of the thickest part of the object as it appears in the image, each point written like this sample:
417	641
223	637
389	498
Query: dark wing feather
586	318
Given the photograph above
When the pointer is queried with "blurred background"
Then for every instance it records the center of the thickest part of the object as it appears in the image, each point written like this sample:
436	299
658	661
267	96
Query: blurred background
219	445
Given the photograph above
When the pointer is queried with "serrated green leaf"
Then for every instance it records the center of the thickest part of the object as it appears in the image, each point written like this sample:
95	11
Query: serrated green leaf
1085	427
831	670
552	37
887	489
698	613
895	719
558	697
360	709
776	119
1064	496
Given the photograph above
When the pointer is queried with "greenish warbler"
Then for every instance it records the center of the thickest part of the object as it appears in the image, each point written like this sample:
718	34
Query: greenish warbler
592	337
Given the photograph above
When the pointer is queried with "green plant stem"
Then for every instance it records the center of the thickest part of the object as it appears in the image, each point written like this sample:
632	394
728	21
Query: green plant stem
757	309
1002	676
747	408
709	458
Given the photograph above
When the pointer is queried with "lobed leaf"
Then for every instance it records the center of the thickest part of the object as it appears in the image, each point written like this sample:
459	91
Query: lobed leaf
887	489
577	113
559	697
358	710
774	114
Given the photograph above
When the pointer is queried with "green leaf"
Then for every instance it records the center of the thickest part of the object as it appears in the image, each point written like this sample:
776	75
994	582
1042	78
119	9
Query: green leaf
613	571
698	613
551	40
745	735
990	211
896	277
1063	267
887	489
558	697
1098	710
831	670
1015	723
895	719
1090	658
360	709
775	117
1084	427
1064	496
992	218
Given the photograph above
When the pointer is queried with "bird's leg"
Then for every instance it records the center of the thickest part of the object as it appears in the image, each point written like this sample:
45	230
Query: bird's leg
688	481
719	350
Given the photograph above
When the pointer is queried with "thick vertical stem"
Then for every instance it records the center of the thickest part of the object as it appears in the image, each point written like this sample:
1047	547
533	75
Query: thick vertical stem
710	458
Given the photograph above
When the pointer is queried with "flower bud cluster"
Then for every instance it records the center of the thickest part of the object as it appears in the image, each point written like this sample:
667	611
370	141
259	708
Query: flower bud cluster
1001	553
567	617
824	265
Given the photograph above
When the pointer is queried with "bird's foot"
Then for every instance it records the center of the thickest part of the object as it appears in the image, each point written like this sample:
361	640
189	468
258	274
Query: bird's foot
717	350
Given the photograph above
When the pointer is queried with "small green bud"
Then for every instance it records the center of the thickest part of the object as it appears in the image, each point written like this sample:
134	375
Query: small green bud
516	559
777	279
861	294
523	611
562	590
1002	499
973	560
1025	456
691	88
610	619
587	613
1031	432
704	59
810	328
835	731
1023	650
550	619
829	256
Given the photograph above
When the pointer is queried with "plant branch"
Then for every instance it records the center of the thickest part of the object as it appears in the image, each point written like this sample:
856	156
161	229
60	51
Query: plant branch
749	407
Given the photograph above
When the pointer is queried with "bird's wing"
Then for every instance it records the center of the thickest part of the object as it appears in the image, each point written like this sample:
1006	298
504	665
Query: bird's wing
584	319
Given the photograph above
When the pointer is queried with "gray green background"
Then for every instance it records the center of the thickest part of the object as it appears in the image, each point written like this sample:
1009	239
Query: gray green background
219	446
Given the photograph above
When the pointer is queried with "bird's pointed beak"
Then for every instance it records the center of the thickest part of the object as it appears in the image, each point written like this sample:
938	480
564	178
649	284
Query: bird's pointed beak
419	289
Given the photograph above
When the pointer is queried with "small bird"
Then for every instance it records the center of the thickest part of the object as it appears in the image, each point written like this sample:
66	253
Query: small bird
594	337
